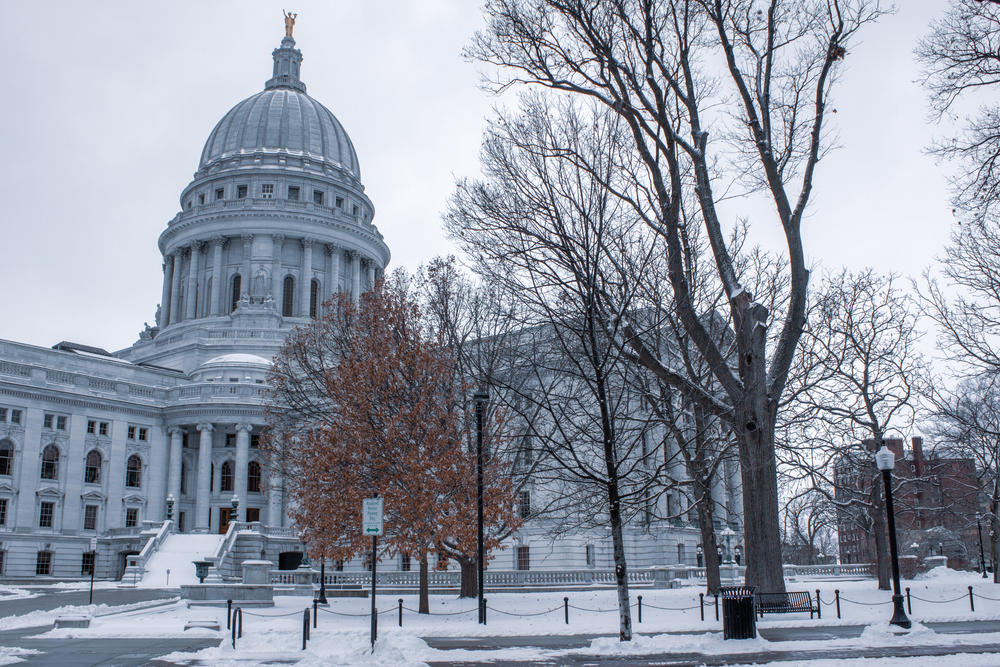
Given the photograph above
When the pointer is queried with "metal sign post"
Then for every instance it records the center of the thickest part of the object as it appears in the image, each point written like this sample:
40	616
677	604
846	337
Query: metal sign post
93	566
372	524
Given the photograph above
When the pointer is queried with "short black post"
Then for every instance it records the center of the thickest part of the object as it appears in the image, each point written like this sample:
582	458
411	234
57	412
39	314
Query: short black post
484	611
233	629
909	607
239	613
640	609
93	569
400	612
972	603
566	609
305	627
819	607
716	606
229	613
836	593
322	581
315	610
701	604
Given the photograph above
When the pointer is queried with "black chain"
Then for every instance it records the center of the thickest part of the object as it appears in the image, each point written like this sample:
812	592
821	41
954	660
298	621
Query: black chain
507	613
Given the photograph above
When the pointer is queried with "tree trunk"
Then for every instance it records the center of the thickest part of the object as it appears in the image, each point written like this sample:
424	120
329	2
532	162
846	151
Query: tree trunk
703	503
621	569
754	428
470	577
995	529
880	533
425	603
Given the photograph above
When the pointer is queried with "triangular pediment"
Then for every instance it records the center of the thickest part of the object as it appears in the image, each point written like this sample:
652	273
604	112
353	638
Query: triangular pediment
50	492
94	495
133	498
5	487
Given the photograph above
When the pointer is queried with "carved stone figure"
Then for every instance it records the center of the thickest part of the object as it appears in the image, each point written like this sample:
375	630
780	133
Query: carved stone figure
289	22
259	280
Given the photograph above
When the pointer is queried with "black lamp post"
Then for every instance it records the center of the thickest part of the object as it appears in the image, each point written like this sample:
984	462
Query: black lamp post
480	397
982	556
885	460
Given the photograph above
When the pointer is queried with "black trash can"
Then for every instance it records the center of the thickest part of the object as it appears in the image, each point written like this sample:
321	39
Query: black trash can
739	618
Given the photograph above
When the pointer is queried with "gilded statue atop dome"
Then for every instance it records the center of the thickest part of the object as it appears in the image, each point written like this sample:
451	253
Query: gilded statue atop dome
289	22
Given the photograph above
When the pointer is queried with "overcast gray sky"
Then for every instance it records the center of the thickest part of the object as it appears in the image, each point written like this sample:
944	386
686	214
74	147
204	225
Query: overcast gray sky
107	106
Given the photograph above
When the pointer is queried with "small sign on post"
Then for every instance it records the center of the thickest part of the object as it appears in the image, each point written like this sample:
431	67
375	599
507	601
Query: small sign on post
371	516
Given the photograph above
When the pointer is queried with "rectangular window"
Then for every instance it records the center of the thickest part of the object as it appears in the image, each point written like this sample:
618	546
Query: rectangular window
241	192
339	567
131	432
45	515
15	416
103	428
91	427
356	210
340	202
255	439
47	421
525	508
404	562
590	554
253	514
267	191
220	193
61	423
3	415
201	199
293	193
131	517
87	565
143	434
180	522
230	440
3	511
43	565
523	558
90	517
318	197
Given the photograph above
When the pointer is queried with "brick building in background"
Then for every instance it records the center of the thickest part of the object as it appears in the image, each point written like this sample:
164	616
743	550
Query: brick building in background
936	499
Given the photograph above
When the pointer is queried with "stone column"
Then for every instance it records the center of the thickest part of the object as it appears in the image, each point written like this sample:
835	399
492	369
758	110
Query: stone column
242	466
204	478
307	272
278	289
168	275
355	274
192	289
332	270
175	287
371	273
275	490
174	468
217	276
245	276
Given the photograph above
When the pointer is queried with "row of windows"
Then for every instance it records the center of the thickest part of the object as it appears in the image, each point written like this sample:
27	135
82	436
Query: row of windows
267	191
55	421
14	416
103	429
43	563
226	477
91	471
287	296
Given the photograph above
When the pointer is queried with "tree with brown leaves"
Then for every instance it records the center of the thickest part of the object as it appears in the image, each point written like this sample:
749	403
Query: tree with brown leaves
367	403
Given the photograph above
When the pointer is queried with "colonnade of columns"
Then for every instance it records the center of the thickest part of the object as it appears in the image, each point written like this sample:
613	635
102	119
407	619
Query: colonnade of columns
173	279
203	485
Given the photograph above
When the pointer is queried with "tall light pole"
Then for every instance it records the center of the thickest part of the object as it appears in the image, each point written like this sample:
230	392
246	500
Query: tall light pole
982	556
885	460
480	397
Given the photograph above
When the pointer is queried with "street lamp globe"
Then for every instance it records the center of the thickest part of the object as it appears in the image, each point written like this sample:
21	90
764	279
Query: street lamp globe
885	459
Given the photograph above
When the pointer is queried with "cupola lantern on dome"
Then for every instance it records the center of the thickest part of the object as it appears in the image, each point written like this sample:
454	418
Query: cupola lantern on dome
287	66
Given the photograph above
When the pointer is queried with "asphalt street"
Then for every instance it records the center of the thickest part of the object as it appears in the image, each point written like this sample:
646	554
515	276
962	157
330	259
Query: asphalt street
53	599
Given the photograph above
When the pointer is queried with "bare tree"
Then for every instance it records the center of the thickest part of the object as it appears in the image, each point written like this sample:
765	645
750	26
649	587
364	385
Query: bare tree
857	376
646	62
544	227
809	527
959	59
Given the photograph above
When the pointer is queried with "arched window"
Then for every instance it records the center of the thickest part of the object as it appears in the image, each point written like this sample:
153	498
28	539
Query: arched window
313	298
226	483
133	472
253	477
6	457
236	292
92	471
50	462
288	296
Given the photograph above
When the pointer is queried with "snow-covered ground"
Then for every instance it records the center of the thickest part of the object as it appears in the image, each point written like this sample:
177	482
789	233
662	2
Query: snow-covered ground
171	565
342	637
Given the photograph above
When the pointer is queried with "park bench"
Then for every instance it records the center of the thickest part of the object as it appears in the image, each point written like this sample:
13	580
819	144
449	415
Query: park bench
784	603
